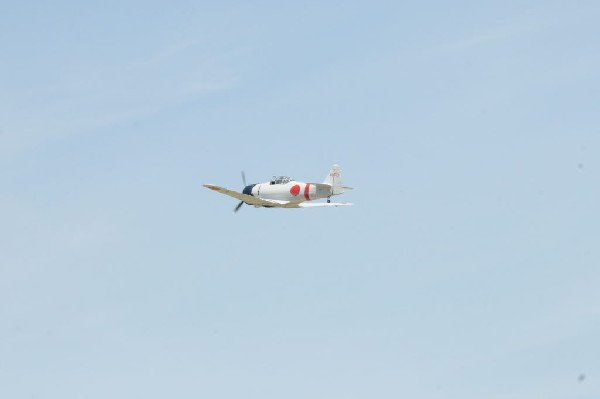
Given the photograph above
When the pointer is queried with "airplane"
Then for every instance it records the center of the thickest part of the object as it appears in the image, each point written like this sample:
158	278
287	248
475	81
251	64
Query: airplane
285	192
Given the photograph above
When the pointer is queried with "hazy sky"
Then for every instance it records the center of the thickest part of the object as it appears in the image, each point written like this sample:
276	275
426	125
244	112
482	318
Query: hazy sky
468	268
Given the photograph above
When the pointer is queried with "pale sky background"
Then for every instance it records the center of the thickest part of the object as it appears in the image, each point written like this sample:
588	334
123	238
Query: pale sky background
468	268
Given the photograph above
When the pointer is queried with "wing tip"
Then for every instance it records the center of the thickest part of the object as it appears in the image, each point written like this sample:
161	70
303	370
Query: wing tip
212	187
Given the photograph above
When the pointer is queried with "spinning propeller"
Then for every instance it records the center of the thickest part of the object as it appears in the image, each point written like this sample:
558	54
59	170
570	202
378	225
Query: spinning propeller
237	208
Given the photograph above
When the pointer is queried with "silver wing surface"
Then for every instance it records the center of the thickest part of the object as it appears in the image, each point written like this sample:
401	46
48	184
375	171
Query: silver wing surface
248	199
317	204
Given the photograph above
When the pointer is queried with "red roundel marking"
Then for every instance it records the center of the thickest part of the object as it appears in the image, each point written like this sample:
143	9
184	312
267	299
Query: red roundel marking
295	190
306	192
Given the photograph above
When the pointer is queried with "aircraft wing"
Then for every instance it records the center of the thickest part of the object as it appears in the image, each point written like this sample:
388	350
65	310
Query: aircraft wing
316	204
244	197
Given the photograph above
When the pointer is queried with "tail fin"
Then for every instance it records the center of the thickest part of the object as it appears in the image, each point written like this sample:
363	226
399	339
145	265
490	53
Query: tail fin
334	179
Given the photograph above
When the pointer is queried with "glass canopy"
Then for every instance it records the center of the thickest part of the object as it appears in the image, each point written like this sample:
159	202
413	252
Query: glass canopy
280	179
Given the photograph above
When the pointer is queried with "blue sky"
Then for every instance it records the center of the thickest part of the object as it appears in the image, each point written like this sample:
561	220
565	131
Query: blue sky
467	268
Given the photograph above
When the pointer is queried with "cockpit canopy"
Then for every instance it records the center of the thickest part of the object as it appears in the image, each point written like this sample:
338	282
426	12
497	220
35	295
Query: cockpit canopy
280	179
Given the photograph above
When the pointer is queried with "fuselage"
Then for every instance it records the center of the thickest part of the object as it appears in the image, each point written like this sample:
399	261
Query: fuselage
288	190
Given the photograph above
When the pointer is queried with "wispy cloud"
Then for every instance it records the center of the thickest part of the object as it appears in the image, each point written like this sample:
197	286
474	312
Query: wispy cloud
494	34
82	98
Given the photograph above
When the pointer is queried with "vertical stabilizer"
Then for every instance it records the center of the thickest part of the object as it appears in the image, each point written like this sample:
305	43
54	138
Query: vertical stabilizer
334	179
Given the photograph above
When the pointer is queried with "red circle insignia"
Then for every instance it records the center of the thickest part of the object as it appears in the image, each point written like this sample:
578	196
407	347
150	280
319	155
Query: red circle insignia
295	190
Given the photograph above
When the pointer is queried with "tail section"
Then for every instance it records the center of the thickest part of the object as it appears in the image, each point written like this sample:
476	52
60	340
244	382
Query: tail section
334	179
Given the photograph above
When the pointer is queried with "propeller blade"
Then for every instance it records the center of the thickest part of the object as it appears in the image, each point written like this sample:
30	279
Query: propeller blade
237	208
244	178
